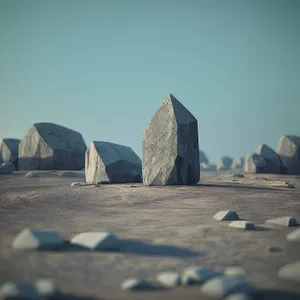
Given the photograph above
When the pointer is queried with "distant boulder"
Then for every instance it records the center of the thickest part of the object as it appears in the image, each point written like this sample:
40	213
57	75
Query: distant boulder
112	163
289	152
272	159
9	149
207	167
238	163
7	168
224	163
255	163
48	146
203	157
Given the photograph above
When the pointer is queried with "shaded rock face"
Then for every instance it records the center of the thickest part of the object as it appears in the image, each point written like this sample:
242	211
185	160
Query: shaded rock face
255	163
170	146
224	163
48	146
289	152
9	149
7	168
272	159
203	157
238	163
112	163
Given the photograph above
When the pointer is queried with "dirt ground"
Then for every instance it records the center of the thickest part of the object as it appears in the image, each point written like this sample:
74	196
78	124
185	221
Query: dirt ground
173	228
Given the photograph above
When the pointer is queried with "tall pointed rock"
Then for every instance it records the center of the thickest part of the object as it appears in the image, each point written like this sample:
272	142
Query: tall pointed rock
170	146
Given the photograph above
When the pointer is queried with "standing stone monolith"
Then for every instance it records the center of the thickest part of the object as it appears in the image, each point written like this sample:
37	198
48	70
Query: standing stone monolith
272	159
107	162
289	152
9	149
49	146
170	146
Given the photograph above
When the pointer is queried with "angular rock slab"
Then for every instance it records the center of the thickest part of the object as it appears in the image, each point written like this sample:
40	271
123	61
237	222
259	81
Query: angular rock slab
7	168
255	163
289	152
49	146
170	146
135	284
9	151
222	286
283	221
272	159
168	279
12	290
294	236
235	271
226	215
224	163
30	239
197	275
112	163
97	241
290	272
244	225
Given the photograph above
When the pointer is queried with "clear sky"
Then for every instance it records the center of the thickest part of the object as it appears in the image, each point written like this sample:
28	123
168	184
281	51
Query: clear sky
104	67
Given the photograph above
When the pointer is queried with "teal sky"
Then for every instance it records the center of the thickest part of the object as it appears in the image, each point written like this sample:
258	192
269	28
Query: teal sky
104	67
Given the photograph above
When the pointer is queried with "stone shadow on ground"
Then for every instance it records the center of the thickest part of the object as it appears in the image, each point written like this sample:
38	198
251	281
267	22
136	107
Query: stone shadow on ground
235	186
276	295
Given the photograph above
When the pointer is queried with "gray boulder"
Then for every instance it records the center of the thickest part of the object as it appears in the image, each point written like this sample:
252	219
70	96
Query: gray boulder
272	159
289	152
170	146
9	149
7	168
255	163
203	157
48	146
224	163
112	163
238	163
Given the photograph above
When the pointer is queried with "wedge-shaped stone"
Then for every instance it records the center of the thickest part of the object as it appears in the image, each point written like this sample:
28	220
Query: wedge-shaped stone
244	225
294	236
197	275
290	272
48	146
289	152
255	163
112	163
272	159
283	221
30	239
235	271
135	284
46	288
96	241
9	151
12	290
224	163
226	215
222	286
169	279
170	146
7	168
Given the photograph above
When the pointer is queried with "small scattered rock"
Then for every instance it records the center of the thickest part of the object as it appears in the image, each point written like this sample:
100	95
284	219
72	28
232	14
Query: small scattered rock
97	241
236	175
222	286
290	185
197	275
12	290
235	271
274	249
283	221
168	279
226	215
290	272
244	225
135	284
294	236
239	296
31	175
75	184
7	168
46	287
30	239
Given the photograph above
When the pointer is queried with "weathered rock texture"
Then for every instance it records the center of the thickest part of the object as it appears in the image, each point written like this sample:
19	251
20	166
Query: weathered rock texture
272	159
9	149
112	163
289	152
48	146
224	163
170	146
255	163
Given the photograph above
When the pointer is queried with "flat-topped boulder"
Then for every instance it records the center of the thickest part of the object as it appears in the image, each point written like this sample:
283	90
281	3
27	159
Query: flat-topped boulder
254	163
170	146
49	146
9	151
241	224
7	168
289	152
112	163
224	163
272	159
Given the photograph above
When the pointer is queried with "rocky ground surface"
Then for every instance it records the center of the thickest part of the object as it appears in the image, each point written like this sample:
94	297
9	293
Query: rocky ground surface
173	228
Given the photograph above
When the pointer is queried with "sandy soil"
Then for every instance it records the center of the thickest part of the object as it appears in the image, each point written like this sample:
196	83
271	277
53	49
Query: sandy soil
173	228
